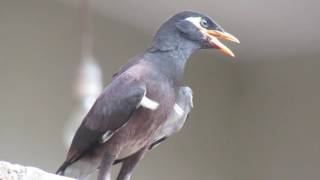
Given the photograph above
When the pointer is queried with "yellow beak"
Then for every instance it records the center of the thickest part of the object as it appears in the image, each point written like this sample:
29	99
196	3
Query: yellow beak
213	36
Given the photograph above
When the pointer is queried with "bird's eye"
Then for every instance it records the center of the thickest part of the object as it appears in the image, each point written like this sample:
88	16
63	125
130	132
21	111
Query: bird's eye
204	23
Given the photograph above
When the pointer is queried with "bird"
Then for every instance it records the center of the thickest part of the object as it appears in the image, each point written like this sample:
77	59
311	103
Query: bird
132	114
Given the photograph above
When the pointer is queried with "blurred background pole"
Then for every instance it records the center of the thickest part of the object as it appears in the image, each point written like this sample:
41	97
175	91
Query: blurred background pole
88	84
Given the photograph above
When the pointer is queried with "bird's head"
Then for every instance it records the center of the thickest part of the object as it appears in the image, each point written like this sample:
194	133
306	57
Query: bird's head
195	28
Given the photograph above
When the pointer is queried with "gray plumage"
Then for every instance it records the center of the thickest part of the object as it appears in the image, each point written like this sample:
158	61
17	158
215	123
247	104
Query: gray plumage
173	124
176	119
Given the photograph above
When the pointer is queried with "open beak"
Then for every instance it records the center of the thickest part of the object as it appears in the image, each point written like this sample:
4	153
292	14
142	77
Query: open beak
214	35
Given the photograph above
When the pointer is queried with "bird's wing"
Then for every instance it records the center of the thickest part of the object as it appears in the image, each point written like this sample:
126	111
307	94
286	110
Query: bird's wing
175	120
110	112
177	117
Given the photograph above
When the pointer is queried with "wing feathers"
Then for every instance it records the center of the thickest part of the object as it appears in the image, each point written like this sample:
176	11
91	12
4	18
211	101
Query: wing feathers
110	112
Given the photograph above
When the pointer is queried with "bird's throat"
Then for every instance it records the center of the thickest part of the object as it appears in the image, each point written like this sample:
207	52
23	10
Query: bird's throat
172	62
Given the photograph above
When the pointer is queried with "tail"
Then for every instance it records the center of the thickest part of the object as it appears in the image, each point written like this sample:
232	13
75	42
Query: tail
79	169
62	168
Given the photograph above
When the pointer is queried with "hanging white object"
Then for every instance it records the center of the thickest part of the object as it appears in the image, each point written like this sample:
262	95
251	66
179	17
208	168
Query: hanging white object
88	87
89	82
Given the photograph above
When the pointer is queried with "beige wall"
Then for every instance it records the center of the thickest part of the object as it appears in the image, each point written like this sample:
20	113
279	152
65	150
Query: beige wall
253	120
276	130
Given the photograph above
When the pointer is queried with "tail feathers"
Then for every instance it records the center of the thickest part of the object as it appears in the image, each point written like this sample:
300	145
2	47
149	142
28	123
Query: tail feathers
117	161
79	169
72	170
62	168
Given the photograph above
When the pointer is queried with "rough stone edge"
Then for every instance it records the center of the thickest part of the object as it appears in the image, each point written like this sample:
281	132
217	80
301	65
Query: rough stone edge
10	171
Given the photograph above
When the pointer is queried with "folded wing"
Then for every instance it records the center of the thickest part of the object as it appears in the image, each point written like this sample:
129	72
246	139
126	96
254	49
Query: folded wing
110	112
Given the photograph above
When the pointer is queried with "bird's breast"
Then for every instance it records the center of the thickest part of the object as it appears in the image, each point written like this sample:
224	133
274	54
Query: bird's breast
144	123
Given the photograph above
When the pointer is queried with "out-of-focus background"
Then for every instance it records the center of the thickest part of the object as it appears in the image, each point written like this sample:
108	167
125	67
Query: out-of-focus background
256	119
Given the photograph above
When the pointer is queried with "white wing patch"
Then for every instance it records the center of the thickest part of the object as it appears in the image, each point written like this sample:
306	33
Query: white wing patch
178	109
105	137
149	103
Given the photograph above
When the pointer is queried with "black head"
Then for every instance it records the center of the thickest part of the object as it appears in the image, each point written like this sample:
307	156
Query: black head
193	28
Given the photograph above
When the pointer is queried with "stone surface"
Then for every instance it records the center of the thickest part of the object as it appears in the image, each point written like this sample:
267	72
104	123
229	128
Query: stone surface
10	171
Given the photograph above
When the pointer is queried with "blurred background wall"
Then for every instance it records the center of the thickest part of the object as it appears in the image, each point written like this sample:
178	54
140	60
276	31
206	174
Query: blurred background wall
256	119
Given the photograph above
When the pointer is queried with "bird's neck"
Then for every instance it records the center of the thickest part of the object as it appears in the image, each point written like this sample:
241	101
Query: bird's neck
172	61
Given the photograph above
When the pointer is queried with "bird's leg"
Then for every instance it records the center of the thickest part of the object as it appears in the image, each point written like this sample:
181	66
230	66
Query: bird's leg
106	165
130	163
